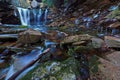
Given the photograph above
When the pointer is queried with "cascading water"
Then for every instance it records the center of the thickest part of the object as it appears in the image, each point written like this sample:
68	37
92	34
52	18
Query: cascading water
45	17
24	16
22	61
32	16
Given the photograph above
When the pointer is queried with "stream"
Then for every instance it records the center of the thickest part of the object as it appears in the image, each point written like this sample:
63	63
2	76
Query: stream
36	20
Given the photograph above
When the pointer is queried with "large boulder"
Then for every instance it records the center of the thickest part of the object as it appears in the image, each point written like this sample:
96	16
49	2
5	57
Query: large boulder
55	70
29	36
110	66
115	25
77	39
112	42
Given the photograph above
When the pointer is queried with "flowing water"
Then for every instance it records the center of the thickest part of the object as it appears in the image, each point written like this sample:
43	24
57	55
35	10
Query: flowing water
32	16
22	61
24	16
36	19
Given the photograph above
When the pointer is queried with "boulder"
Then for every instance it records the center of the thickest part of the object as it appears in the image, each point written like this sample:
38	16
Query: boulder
55	36
112	42
80	39
29	36
110	67
115	25
97	42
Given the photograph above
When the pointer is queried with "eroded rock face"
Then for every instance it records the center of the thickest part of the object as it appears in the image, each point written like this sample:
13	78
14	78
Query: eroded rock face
29	36
7	13
65	70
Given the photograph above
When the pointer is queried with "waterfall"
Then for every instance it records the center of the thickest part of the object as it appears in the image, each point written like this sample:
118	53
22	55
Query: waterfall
32	16
24	16
39	16
45	17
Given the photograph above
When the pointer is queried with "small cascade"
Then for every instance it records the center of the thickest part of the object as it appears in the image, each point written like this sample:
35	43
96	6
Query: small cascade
24	16
39	16
32	16
45	17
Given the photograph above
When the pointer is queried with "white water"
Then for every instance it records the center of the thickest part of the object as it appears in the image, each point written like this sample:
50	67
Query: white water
45	17
32	16
24	16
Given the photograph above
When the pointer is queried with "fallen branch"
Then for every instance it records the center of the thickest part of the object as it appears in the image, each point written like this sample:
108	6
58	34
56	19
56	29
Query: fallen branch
8	37
28	65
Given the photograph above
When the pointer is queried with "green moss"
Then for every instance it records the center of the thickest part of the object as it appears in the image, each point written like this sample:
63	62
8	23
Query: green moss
49	3
29	74
114	14
22	26
56	70
93	64
88	47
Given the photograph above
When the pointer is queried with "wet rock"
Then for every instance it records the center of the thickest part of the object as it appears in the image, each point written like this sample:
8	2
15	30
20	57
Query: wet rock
1	62
57	24
106	22
21	3
29	36
55	36
112	42
65	70
77	22
97	42
43	5
110	67
34	4
115	25
75	14
114	14
89	12
76	38
78	43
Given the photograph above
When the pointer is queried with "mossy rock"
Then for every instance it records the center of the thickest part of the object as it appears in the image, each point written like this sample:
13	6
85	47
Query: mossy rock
76	38
55	70
114	14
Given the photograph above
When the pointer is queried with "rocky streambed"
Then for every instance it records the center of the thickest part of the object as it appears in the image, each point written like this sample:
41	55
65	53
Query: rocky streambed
82	45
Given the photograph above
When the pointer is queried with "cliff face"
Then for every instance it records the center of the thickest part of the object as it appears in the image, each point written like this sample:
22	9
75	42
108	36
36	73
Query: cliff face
7	13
